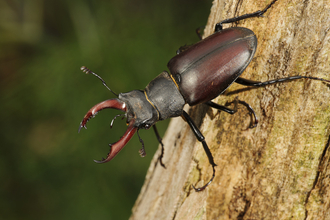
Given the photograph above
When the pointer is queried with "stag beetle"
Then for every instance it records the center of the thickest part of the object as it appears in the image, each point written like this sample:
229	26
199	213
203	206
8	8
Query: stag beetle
198	74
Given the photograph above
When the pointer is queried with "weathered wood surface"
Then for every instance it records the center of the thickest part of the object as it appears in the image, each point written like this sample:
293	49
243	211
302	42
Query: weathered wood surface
278	170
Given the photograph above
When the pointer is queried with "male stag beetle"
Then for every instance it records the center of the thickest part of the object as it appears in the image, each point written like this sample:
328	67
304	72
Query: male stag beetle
198	74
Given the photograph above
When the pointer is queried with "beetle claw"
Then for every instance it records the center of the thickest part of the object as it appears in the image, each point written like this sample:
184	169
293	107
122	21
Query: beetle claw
110	103
99	161
117	146
203	187
79	128
142	152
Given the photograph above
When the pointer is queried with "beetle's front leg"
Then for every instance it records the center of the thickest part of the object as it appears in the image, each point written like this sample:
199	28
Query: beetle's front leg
160	158
142	151
201	139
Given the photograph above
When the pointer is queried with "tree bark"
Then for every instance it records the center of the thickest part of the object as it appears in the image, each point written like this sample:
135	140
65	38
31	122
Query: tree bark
278	170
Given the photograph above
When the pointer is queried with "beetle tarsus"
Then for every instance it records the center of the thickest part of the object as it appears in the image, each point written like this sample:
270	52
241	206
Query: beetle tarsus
208	183
254	122
142	151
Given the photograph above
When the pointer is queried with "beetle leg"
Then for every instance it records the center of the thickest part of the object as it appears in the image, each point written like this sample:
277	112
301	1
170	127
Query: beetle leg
252	112
142	151
182	48
185	47
247	82
220	107
201	139
218	26
160	158
198	32
254	121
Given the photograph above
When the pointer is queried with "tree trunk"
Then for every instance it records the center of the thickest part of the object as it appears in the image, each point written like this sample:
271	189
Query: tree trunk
278	170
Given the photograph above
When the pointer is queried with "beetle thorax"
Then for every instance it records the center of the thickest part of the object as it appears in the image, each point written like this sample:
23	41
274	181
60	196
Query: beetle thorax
139	108
163	93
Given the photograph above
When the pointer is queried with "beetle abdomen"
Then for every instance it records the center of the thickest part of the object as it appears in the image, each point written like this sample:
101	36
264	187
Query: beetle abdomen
207	68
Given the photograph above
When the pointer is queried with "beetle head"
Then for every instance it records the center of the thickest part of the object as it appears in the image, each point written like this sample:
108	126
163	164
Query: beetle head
139	109
139	112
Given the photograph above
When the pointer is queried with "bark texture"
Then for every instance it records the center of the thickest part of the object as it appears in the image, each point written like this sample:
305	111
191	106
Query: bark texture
281	168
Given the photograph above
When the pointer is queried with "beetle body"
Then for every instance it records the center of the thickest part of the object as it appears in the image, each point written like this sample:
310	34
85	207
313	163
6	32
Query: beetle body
196	75
207	68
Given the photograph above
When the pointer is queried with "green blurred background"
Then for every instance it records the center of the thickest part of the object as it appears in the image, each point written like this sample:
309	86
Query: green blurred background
46	167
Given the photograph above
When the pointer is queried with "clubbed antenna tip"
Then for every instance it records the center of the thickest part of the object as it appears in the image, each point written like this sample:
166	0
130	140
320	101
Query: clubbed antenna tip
88	71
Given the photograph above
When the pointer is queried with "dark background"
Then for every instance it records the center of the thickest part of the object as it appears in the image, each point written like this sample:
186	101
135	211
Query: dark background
46	167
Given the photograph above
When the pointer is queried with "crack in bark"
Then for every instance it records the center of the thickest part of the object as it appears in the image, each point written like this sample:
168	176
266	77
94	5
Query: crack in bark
317	175
246	208
176	211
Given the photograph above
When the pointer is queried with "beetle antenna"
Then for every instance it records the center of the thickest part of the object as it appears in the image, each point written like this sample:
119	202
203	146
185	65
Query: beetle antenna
88	71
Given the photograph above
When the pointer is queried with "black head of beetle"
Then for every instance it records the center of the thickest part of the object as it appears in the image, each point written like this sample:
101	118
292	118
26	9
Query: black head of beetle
160	100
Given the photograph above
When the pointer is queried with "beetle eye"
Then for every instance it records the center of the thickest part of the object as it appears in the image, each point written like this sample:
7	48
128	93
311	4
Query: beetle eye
147	126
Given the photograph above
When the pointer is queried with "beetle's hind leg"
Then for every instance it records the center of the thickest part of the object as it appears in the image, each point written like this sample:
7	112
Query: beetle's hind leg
201	139
160	158
254	121
218	26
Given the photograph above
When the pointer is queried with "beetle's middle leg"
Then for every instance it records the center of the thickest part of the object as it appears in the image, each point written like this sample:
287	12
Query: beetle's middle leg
201	139
254	121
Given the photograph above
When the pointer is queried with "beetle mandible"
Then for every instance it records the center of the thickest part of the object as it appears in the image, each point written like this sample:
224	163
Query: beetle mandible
197	74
